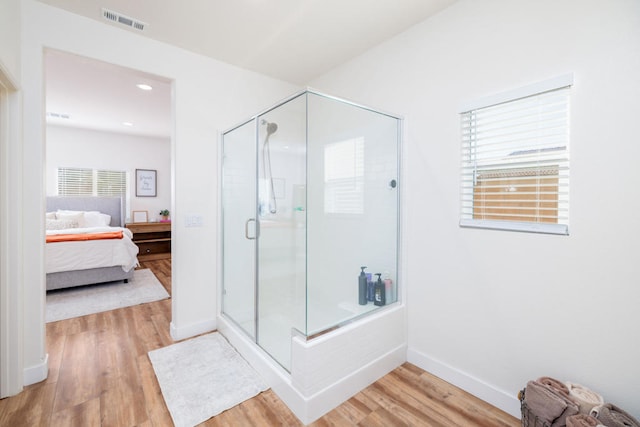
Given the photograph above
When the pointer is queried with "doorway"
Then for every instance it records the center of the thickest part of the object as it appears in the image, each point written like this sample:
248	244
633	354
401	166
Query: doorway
111	121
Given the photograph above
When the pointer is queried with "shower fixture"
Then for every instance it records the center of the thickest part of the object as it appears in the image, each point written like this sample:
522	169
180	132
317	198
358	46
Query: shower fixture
271	127
266	164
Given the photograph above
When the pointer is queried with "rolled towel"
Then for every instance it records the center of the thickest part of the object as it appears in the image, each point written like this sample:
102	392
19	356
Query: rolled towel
558	386
585	397
543	402
582	420
561	391
549	400
612	416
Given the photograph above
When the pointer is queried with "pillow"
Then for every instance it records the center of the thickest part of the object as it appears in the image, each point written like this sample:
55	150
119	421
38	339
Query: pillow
78	217
61	224
50	215
96	219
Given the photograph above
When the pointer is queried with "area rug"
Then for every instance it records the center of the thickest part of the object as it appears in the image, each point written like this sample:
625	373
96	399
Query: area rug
202	377
74	302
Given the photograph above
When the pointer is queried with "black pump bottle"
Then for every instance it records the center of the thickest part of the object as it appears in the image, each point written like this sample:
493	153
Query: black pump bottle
379	297
362	287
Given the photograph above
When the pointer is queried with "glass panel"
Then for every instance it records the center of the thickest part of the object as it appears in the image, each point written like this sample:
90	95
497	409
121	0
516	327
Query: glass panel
282	219
239	225
352	216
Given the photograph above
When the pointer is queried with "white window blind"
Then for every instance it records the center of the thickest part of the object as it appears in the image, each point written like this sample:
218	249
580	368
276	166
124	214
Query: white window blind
75	182
344	177
111	183
91	182
515	164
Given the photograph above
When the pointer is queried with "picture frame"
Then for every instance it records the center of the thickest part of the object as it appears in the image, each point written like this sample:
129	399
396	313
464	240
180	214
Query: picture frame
146	183
140	216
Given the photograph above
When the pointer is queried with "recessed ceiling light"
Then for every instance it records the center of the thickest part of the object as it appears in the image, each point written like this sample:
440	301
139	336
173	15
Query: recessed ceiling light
143	86
127	124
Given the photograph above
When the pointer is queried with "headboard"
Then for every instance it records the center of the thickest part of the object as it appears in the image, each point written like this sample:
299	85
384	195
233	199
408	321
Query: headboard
107	205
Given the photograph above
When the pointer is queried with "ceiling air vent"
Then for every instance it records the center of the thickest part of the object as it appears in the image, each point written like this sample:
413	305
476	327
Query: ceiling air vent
58	115
119	18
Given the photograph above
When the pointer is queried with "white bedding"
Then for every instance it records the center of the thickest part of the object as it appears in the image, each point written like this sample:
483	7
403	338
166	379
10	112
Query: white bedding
82	255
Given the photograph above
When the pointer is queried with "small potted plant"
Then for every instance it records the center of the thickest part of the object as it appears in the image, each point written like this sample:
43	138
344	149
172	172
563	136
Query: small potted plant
164	213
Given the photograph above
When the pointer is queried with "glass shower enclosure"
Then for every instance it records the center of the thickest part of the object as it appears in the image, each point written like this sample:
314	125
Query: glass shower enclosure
309	197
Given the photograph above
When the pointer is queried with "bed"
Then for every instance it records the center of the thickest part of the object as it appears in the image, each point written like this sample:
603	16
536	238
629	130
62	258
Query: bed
90	257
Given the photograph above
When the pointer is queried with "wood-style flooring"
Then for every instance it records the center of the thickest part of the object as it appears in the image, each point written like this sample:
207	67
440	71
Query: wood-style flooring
100	375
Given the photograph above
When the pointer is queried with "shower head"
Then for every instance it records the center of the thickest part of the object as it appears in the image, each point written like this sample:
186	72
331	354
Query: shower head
271	127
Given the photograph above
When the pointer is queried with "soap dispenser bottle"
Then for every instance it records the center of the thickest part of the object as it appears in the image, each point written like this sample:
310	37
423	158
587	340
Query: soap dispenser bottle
362	287
379	293
389	288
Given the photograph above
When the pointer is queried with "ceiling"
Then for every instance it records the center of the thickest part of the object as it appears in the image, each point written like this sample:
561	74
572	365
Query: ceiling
291	40
90	94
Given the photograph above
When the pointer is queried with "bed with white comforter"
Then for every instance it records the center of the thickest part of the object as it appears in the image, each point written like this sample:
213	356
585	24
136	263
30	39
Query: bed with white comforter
80	261
86	254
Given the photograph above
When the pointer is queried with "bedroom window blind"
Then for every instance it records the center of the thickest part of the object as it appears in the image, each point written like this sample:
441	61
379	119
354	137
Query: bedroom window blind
111	183
515	161
75	182
90	182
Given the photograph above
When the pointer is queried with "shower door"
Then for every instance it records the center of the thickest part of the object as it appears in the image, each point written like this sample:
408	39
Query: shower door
239	226
282	165
264	227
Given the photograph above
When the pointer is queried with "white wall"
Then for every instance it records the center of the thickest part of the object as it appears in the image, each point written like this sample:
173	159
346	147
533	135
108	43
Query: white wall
208	96
84	148
9	37
489	310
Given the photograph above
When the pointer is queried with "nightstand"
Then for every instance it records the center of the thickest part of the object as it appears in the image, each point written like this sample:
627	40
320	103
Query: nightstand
152	238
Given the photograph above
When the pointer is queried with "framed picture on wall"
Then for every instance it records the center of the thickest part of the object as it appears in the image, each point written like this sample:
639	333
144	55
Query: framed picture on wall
145	183
140	216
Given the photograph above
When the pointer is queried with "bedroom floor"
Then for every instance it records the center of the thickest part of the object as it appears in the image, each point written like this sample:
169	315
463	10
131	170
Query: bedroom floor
100	375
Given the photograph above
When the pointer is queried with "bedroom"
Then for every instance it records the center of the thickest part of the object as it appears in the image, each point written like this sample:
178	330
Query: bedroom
102	131
492	305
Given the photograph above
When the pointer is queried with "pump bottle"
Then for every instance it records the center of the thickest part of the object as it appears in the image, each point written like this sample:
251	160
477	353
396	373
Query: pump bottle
362	287
379	293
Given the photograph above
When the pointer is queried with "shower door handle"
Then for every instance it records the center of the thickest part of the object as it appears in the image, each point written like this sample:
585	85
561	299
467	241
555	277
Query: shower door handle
246	229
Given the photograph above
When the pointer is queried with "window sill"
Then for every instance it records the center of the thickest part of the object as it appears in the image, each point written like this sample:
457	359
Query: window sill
527	227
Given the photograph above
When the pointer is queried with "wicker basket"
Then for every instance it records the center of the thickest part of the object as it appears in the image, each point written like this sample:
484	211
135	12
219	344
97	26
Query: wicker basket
529	419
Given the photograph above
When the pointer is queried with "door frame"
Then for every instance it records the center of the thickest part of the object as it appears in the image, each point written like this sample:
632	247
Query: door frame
11	364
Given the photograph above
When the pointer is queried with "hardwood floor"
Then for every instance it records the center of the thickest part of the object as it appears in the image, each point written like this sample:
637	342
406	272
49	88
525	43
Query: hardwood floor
100	375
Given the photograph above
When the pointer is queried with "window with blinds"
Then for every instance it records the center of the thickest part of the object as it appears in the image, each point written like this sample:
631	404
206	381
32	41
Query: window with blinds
515	160
111	183
75	182
90	182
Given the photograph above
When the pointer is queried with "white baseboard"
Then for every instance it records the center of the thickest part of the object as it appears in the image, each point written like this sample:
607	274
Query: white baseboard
508	402
36	373
182	332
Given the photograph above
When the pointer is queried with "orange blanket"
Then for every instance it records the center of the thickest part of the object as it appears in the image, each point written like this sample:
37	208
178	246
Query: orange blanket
88	236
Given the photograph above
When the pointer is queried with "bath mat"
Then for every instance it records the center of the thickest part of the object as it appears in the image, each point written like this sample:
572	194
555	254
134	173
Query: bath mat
202	377
74	302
